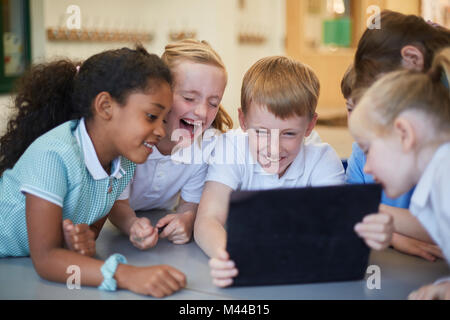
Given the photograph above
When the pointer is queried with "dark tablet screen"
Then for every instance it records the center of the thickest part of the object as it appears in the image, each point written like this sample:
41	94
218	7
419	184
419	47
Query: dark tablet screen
300	235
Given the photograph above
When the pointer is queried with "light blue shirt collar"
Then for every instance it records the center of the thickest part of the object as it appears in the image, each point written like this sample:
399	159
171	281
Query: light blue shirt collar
90	156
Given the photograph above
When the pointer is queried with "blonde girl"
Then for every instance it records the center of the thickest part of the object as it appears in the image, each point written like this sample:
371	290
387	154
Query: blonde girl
402	123
200	79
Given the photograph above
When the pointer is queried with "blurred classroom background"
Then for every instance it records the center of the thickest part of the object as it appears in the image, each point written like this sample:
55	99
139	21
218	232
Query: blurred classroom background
321	33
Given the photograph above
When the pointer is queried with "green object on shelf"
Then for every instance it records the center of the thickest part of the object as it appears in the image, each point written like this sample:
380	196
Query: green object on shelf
337	32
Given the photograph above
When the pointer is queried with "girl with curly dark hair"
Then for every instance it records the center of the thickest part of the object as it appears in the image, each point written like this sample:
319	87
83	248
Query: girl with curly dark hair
69	153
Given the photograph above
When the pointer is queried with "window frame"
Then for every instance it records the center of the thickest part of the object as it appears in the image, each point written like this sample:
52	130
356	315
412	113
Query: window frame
7	82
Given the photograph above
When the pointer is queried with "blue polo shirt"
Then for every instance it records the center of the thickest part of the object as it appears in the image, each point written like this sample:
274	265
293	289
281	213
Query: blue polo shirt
61	167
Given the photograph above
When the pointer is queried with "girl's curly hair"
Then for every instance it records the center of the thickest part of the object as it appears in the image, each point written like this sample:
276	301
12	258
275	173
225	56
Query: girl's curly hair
52	93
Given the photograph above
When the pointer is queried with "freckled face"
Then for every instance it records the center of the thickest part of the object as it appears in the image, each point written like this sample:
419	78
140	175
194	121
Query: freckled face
274	142
197	93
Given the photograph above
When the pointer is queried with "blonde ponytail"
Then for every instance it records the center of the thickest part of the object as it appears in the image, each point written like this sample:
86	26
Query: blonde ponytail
440	69
405	90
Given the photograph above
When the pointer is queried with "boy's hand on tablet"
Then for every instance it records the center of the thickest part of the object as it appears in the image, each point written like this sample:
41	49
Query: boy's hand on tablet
223	270
79	238
178	227
158	281
376	230
416	247
142	234
439	291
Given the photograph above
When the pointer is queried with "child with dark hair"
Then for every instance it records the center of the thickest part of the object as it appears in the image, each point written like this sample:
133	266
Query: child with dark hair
69	153
402	42
347	84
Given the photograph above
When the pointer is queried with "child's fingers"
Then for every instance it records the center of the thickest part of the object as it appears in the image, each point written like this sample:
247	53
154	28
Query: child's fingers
139	243
156	291
427	251
179	276
432	249
413	295
224	274
419	251
67	225
221	264
144	223
80	228
162	284
165	220
170	283
145	232
223	282
84	246
371	227
375	245
168	230
424	254
376	223
83	237
378	218
89	250
180	240
148	242
424	293
176	232
142	228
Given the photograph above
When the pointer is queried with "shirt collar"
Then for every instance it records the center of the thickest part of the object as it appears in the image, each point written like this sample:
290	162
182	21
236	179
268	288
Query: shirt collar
297	166
423	188
90	156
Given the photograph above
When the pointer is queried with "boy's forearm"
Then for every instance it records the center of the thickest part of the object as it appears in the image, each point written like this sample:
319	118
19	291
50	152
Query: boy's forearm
122	216
210	235
406	224
209	231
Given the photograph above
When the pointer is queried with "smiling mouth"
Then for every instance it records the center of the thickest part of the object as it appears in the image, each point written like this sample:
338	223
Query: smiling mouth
149	145
274	158
190	125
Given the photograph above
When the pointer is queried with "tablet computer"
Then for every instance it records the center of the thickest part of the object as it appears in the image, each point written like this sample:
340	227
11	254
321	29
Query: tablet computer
303	235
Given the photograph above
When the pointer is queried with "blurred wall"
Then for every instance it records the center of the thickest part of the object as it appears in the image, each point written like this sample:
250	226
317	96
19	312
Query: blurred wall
217	21
330	64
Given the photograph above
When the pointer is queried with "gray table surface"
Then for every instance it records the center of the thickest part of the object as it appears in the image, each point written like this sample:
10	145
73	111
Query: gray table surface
400	274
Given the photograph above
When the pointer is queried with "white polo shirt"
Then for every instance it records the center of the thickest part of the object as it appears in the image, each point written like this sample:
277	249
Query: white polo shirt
231	163
430	202
159	181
